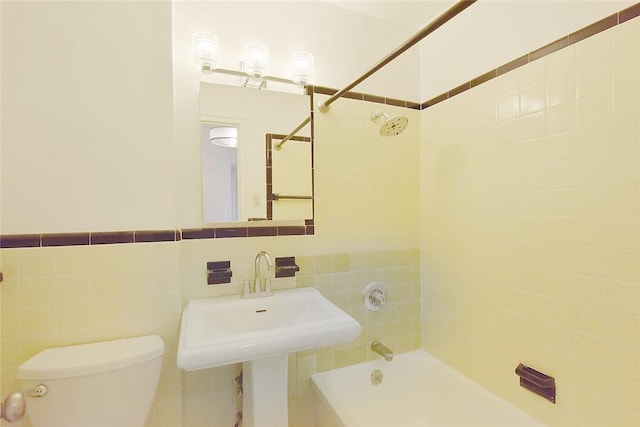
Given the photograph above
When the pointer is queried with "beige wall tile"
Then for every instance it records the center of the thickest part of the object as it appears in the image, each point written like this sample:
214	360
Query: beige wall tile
38	320
36	262
72	260
561	63
594	80
35	291
625	38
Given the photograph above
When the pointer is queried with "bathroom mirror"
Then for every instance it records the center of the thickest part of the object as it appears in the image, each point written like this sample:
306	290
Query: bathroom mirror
241	167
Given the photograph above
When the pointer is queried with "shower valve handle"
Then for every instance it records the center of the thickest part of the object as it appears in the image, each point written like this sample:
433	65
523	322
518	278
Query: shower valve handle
376	298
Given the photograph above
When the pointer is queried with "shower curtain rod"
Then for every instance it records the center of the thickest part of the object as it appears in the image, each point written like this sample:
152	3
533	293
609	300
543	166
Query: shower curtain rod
279	145
430	28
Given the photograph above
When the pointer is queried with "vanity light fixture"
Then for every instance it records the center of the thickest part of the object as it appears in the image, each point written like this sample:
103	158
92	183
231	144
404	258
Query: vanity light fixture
224	136
256	59
205	51
254	64
302	67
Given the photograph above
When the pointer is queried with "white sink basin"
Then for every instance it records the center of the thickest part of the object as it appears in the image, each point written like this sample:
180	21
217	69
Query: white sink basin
223	330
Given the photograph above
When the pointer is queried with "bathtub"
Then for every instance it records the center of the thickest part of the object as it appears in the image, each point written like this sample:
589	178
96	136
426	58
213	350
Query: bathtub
417	390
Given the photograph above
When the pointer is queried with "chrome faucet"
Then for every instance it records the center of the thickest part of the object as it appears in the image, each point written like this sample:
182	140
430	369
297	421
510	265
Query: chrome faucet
257	281
258	276
382	350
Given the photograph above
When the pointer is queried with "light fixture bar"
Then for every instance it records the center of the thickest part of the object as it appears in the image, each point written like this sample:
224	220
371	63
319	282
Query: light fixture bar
243	74
254	65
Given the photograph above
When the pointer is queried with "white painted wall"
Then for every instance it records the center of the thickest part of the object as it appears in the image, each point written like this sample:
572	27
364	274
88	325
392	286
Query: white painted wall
87	142
86	136
491	33
95	131
344	43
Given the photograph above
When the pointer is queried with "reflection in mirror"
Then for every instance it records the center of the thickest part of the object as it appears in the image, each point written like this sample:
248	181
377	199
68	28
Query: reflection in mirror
254	114
219	154
289	186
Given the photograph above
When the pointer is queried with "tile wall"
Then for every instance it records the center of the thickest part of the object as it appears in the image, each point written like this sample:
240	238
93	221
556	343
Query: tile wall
69	295
531	230
366	224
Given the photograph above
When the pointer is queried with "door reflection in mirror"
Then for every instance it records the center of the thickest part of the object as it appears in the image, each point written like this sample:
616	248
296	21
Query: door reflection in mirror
219	154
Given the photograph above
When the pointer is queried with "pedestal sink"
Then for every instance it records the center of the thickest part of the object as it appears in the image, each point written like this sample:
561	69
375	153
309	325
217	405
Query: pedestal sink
260	333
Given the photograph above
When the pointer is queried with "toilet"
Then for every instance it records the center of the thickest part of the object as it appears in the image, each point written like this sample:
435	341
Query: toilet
103	384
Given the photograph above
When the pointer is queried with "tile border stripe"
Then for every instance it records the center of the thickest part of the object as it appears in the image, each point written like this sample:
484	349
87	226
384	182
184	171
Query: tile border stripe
629	13
359	96
65	239
14	241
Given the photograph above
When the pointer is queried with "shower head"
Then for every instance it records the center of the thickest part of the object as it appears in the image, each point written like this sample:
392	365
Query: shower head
391	126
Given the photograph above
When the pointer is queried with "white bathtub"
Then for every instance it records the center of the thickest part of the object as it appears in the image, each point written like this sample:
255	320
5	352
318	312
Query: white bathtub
417	390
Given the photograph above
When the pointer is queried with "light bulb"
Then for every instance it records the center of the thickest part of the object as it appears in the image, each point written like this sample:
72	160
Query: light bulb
256	59
302	68
205	51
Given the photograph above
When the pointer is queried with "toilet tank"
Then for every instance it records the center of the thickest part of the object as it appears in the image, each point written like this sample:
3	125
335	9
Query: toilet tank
104	384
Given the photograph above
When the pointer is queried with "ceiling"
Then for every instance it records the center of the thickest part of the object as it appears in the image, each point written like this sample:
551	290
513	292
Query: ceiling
411	14
417	13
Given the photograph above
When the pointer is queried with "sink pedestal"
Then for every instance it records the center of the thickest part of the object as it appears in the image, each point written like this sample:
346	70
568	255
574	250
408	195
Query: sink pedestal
264	388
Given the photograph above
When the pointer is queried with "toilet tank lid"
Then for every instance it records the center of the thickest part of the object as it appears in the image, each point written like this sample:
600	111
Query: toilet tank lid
93	358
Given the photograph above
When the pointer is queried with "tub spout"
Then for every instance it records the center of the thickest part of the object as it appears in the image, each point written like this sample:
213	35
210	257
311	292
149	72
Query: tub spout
382	350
